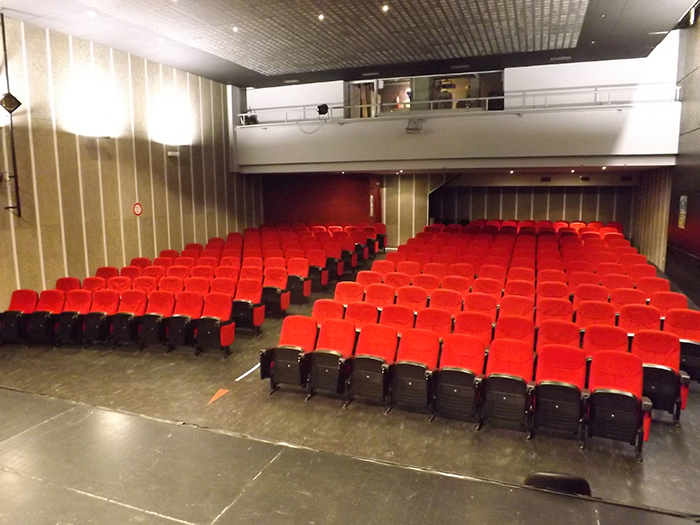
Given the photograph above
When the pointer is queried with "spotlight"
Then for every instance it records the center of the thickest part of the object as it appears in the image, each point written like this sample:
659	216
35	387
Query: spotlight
322	109
9	102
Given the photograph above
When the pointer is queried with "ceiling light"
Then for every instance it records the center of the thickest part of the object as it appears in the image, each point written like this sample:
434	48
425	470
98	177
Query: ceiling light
161	40
235	29
91	14
460	66
400	171
321	17
592	41
385	8
511	172
604	167
291	81
573	171
659	33
560	58
602	16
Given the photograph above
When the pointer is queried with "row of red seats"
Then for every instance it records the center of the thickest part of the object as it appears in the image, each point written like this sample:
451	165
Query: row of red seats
526	226
131	317
456	379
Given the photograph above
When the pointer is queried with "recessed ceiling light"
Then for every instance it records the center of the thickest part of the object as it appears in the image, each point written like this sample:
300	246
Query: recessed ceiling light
321	17
460	66
560	58
592	41
604	167
235	29
400	171
573	171
161	40
92	14
602	16
371	74
385	8
659	33
511	172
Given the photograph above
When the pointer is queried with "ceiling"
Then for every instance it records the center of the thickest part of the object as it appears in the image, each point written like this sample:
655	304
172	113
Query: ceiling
283	41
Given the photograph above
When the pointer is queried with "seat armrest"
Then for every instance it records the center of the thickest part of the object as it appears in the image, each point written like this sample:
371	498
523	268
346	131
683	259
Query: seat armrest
646	404
685	378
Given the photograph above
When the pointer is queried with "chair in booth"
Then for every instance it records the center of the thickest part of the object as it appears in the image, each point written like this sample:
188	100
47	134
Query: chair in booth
41	323
132	272
456	392
401	318
507	385
127	320
559	402
617	408
594	313
515	327
248	309
520	288
181	325
287	362
624	296
449	300
517	305
349	292
66	284
327	309
361	314
215	328
330	362
666	301
380	295
397	279
686	325
383	267
367	277
153	324
435	320
106	272
157	272
146	284
318	272
141	262
412	374
414	297
589	292
665	384
552	308
275	294
298	280
97	322
369	371
69	322
411	268
197	284
486	285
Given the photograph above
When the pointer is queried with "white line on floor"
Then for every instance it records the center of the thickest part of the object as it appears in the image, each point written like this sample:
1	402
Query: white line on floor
248	372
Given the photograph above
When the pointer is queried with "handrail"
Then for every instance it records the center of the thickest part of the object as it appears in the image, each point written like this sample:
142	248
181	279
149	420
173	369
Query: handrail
536	99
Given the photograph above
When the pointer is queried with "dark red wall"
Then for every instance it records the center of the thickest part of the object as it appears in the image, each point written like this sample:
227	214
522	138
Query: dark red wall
319	198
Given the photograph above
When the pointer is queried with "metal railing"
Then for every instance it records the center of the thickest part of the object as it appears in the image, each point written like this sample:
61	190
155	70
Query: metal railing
624	95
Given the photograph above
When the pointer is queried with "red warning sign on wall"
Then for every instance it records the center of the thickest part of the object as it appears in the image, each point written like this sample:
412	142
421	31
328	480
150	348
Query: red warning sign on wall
137	209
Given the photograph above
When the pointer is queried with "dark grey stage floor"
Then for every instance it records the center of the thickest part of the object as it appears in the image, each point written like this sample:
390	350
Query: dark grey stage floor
116	436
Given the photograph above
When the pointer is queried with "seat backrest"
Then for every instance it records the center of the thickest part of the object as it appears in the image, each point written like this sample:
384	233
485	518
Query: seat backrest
604	337
299	331
435	320
157	272
435	268
256	262
463	351
589	292
666	301
553	308
515	327
461	269
224	285
51	301
327	309
337	335
622	296
178	270
637	271
511	357
477	324
419	346
194	246
378	341
658	348
412	296
549	262
162	303
349	292
249	290
146	284
594	312
141	262
556	331
78	301
189	304
616	280
561	363
684	323
275	262
579	266
482	302
616	371
197	284
170	254
449	300
207	272
409	267
187	253
105	301
517	305
164	262
120	284
457	283
553	289
558	276
397	279
636	317
380	295
276	278
93	284
630	259
649	285
520	287
171	284
217	305
426	281
399	317
489	286
298	266
65	284
251	272
106	272
361	314
185	260
210	252
383	267
316	257
367	277
212	262
133	302
522	268
132	272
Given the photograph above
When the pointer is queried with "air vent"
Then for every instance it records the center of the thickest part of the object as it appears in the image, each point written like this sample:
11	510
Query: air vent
560	59
291	81
456	67
545	179
584	178
371	74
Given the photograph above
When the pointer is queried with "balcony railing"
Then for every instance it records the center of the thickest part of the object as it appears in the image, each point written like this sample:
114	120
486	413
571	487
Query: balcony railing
617	96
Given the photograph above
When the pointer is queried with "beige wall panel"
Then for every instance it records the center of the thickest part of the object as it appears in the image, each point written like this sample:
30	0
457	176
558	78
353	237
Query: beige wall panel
208	158
110	198
240	201
406	209
197	160
508	203
607	202
8	283
590	201
391	209
539	205
186	194
93	207
525	202
556	204
157	79
421	202
493	203
624	207
217	110
231	187
478	203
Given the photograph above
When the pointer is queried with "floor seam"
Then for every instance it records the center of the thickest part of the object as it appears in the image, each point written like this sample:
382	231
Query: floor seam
37	425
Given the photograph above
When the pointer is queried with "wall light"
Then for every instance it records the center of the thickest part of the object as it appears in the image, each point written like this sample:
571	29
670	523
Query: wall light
170	119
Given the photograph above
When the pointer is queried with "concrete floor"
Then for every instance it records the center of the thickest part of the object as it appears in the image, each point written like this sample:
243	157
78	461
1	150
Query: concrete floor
91	422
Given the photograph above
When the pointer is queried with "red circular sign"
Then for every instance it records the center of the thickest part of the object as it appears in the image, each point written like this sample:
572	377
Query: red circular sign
137	209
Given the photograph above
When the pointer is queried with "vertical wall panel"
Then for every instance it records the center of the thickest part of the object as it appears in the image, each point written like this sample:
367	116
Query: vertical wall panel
391	208
651	217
